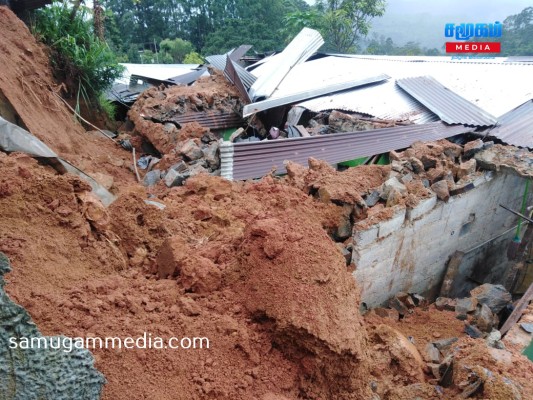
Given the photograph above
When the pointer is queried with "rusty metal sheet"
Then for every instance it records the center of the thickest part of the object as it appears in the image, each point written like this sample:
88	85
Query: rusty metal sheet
250	160
211	120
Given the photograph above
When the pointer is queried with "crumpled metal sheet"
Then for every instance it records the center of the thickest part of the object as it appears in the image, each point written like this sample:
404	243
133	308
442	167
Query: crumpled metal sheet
15	139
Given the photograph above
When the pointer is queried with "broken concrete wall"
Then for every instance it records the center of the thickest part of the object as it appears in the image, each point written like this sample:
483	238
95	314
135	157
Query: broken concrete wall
409	252
44	374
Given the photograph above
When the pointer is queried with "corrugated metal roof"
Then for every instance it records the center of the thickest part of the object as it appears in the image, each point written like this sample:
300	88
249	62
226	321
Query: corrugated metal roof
516	126
219	62
155	71
319	88
276	69
212	120
449	106
494	85
383	101
255	159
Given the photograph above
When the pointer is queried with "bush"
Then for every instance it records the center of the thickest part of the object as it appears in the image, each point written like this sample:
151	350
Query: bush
86	65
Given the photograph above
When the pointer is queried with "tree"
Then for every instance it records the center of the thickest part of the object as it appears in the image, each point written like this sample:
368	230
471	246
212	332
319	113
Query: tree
177	49
346	21
517	37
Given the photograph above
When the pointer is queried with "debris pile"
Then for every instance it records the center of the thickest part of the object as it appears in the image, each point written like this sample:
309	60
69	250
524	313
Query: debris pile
179	127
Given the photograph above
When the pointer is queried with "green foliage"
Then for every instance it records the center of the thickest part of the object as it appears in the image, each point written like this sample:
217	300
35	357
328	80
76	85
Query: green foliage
346	21
193	58
177	49
517	37
83	62
211	26
108	107
382	46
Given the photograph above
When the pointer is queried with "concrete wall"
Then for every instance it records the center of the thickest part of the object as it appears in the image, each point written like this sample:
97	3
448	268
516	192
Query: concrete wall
409	252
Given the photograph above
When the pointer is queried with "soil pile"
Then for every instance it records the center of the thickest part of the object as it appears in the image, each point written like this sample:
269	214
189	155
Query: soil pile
27	85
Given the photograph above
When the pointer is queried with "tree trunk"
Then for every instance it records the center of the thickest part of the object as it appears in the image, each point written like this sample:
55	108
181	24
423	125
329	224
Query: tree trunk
98	20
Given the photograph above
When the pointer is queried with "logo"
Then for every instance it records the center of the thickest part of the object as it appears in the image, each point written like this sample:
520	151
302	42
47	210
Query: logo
473	31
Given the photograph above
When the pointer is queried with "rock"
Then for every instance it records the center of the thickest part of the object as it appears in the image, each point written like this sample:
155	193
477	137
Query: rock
394	198
446	370
488	145
196	169
372	198
444	345
209	137
493	338
445	303
472	331
406	178
473	147
398	306
528	327
394	156
496	297
467	168
435	174
441	189
345	252
175	178
344	230
420	301
453	150
152	177
418	166
387	313
428	162
432	354
465	306
94	211
390	184
212	155
190	150
484	319
425	182
179	167
396	166
397	302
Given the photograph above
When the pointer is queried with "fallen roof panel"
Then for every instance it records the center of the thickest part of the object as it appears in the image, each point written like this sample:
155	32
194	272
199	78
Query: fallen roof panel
516	126
250	160
449	106
318	90
492	84
299	50
384	101
220	62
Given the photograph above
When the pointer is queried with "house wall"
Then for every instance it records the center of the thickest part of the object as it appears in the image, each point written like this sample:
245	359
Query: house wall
410	251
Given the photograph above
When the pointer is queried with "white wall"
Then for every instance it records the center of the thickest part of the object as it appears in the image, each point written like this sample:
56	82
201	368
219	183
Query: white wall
409	252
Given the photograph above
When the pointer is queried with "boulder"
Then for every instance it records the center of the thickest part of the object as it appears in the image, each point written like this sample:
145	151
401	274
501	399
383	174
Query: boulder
441	190
496	297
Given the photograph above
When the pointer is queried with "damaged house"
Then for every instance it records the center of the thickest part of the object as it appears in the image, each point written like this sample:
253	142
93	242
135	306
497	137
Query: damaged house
339	227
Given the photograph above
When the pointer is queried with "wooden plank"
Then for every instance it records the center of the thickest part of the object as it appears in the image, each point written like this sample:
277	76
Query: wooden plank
518	311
